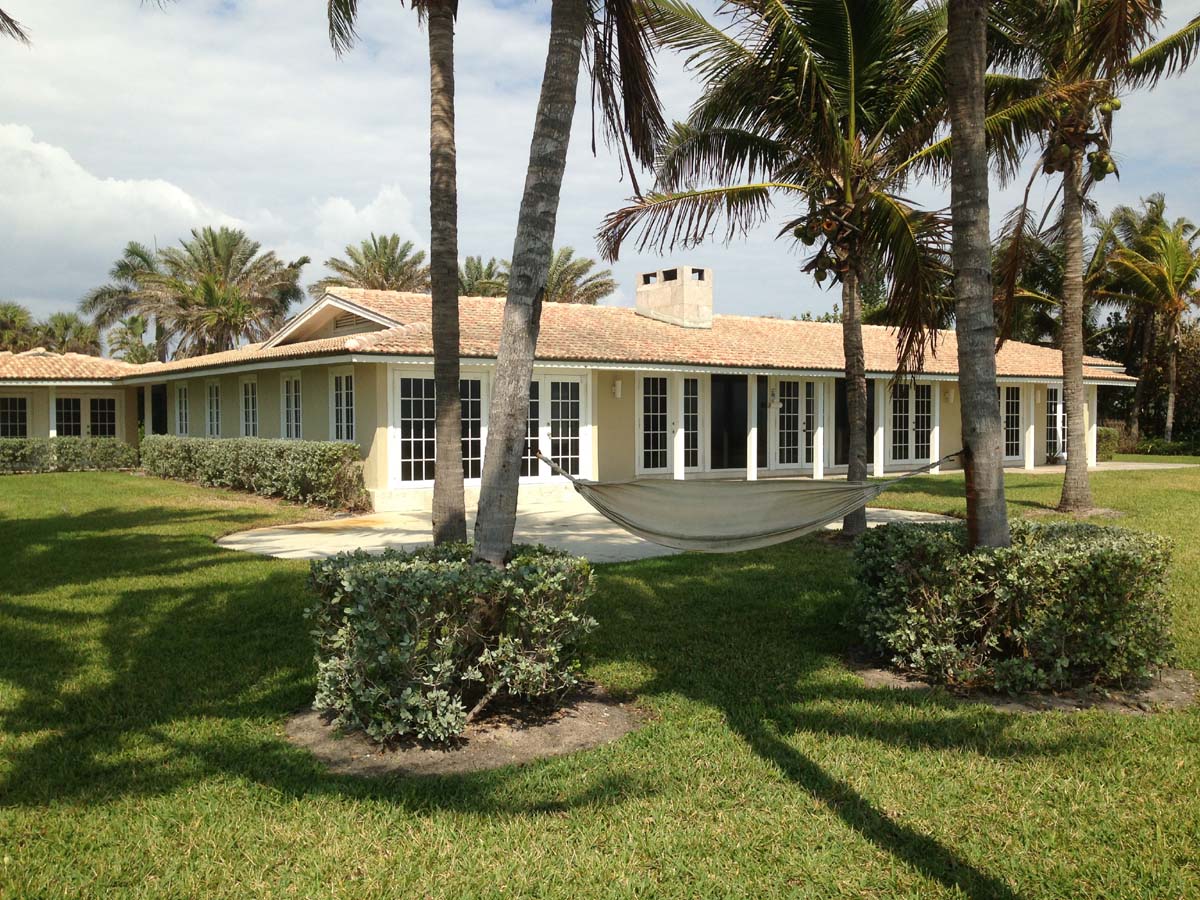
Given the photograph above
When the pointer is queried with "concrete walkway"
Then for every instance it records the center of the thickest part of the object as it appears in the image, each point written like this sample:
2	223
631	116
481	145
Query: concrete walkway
567	522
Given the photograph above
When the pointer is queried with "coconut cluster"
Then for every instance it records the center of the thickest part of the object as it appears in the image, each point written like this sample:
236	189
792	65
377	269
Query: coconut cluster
1073	132
828	224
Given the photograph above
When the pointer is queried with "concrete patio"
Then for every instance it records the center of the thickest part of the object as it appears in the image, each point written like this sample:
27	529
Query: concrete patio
565	521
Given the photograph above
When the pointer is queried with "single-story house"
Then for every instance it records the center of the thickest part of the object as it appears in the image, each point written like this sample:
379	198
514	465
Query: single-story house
665	389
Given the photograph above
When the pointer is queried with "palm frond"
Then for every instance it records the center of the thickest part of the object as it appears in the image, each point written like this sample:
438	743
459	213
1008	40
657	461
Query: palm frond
1164	58
719	154
687	218
10	27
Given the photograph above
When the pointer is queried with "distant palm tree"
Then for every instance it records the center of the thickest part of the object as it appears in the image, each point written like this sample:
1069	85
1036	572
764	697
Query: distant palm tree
68	332
479	279
219	288
17	330
127	341
1064	65
570	279
825	107
10	27
378	263
1164	274
125	295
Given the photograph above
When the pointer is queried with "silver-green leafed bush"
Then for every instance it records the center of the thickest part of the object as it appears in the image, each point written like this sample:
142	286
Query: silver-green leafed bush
65	454
406	644
1067	604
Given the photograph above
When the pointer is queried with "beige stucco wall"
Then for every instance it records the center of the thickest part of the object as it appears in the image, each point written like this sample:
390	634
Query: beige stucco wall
613	431
951	417
370	408
38	404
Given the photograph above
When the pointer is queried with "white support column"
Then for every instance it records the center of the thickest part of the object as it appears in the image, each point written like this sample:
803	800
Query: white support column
678	437
881	416
51	418
1029	404
819	431
935	431
1091	411
751	427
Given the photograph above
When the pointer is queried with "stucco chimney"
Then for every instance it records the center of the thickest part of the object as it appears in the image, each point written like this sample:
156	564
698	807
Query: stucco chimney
680	295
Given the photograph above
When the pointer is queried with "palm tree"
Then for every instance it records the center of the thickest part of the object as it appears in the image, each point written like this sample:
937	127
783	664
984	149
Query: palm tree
621	65
377	263
10	27
824	106
127	340
17	330
1164	274
570	279
219	288
974	319
441	277
621	61
1067	63
479	279
67	332
124	295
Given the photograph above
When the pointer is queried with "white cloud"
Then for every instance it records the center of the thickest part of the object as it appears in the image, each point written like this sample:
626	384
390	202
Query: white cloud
148	122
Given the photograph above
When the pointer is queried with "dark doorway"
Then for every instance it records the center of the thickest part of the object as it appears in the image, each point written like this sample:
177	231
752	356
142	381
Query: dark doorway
728	406
841	416
158	407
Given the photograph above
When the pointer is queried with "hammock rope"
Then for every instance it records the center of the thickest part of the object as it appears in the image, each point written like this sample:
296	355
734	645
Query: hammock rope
726	515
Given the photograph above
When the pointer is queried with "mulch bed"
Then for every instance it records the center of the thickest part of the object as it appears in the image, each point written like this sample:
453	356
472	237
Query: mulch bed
508	736
1169	689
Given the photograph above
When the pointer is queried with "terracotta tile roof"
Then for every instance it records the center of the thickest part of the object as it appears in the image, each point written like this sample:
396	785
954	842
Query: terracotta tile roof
570	333
618	334
40	364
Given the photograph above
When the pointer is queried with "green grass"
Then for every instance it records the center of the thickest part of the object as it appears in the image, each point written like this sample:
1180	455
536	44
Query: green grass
146	675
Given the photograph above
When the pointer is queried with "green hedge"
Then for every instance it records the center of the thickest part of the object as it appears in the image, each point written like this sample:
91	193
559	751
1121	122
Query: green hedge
1161	447
399	646
1067	604
328	473
65	454
1107	441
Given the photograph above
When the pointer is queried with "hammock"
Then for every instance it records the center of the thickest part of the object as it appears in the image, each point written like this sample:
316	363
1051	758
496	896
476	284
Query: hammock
726	516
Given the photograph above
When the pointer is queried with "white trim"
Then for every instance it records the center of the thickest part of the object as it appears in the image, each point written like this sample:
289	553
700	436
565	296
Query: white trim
185	419
818	469
52	383
209	420
28	398
243	382
639	431
343	371
882	420
328	300
752	426
284	378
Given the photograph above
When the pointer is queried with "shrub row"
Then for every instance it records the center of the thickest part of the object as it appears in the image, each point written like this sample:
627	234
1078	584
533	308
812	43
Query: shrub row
328	473
65	454
1107	441
1161	447
1067	604
405	649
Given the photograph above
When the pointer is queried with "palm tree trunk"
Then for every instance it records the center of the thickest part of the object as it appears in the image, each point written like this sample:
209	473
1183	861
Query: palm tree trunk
532	250
1172	366
1149	333
1077	489
449	513
856	395
975	323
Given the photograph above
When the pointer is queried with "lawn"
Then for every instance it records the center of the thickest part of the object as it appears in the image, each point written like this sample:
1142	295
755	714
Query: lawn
147	674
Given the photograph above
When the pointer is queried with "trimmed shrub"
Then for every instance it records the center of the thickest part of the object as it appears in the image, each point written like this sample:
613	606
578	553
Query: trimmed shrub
327	473
399	646
1161	447
1107	440
65	454
1067	604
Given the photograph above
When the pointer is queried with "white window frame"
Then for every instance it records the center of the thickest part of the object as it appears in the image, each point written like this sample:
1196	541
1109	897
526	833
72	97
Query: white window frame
485	399
285	427
775	432
1004	389
701	419
671	398
116	407
28	398
545	440
911	424
183	414
1061	415
245	425
342	372
212	410
83	414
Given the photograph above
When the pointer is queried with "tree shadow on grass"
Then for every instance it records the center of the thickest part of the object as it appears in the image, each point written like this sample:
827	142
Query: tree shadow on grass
758	636
183	671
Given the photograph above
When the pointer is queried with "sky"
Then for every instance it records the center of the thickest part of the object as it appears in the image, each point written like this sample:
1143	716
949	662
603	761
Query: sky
127	120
